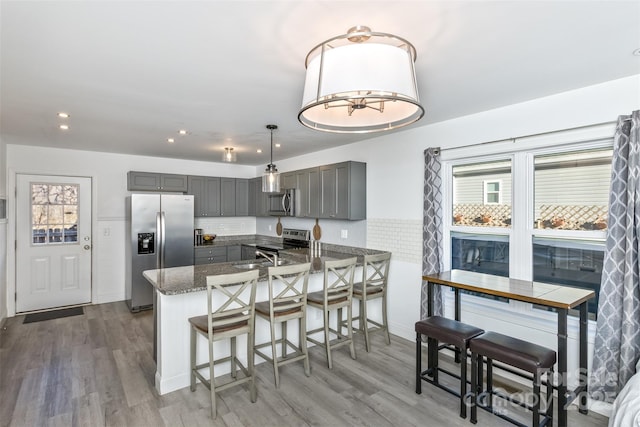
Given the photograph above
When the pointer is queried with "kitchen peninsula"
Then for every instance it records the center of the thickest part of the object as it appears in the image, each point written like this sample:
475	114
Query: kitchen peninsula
180	293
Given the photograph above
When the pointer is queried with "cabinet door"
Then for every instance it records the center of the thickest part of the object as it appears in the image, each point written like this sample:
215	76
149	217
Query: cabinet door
170	182
288	180
242	197
212	196
327	191
343	189
257	199
253	198
248	252
228	197
307	194
234	253
143	181
195	187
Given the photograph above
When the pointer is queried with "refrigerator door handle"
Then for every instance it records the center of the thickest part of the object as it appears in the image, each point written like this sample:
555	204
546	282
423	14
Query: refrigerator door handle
162	238
159	241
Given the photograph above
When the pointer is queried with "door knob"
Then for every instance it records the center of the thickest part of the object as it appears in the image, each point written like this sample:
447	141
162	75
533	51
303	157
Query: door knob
87	247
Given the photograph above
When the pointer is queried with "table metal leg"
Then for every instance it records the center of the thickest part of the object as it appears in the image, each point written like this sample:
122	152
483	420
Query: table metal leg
562	367
584	377
430	349
456	293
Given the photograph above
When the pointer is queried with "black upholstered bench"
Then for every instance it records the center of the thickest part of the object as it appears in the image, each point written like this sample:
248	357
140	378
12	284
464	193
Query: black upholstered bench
532	358
447	331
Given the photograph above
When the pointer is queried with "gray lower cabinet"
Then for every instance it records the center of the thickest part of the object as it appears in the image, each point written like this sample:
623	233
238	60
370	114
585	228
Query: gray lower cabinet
150	181
248	252
206	192
343	191
210	255
234	253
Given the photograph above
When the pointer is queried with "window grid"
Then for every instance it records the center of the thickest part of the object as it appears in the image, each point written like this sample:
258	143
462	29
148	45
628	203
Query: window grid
54	213
524	229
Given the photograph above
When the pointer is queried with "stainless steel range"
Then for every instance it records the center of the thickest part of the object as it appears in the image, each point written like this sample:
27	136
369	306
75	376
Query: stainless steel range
291	239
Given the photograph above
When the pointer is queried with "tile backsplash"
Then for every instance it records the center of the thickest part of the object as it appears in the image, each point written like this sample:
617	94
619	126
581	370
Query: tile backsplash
227	226
401	237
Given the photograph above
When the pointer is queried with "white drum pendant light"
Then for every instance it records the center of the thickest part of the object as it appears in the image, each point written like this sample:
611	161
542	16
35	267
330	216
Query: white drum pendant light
360	82
271	177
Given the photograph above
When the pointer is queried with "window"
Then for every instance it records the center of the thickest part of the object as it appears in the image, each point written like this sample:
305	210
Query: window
554	232
477	194
492	193
54	213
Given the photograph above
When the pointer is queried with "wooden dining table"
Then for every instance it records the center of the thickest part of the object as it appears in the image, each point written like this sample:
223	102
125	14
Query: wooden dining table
557	297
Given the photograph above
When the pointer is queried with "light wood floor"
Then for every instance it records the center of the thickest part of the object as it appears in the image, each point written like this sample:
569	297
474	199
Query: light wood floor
97	370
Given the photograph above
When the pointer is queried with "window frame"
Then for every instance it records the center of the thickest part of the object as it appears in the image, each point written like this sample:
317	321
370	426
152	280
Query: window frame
522	232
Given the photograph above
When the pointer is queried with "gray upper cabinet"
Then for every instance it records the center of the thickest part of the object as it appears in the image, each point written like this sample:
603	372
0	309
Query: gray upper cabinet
242	197
257	199
228	196
343	191
150	181
288	180
308	185
206	192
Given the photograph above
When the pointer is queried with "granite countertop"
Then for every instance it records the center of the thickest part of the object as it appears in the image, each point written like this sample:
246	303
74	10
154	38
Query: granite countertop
193	278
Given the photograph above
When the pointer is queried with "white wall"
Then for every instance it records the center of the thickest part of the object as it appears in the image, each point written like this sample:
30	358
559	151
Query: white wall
109	181
394	183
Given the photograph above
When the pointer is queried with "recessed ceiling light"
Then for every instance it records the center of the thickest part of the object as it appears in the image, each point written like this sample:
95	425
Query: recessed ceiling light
182	132
170	140
636	52
64	127
277	145
259	150
63	115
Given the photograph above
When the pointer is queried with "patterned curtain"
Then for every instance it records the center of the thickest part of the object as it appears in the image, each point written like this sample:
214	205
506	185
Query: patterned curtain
432	249
617	341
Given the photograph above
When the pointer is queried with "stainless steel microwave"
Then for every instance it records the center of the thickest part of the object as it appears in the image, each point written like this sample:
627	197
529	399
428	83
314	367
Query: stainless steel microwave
283	203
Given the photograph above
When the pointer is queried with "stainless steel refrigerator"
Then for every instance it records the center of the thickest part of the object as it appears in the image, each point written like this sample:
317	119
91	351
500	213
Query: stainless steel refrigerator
160	235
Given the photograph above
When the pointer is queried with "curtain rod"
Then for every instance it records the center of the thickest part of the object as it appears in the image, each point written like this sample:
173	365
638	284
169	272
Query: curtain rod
532	135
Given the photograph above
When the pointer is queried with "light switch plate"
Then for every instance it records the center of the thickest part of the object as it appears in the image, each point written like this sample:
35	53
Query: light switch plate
344	234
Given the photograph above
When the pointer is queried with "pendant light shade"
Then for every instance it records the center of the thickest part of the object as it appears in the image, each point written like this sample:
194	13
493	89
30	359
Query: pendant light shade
360	82
229	155
271	177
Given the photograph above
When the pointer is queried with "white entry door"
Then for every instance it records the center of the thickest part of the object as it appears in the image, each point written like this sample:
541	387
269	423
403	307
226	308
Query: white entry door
53	241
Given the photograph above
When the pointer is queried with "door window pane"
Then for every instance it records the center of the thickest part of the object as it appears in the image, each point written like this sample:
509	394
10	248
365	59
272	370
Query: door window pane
482	194
54	213
572	190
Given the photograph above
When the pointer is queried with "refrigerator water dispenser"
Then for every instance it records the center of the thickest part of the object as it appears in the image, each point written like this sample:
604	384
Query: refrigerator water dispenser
145	243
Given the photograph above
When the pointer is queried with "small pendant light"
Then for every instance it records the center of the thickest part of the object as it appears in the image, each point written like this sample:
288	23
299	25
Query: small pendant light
229	155
271	177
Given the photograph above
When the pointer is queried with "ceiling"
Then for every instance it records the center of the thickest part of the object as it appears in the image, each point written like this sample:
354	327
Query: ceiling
132	74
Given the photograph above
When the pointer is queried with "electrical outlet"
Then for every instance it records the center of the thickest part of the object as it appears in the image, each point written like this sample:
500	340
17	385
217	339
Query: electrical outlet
344	234
106	232
269	227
